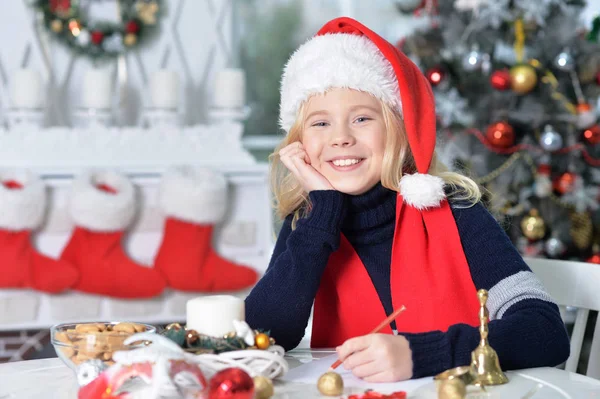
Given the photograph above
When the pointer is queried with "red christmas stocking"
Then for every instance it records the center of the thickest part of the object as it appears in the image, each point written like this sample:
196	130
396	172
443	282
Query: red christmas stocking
102	206
22	207
194	200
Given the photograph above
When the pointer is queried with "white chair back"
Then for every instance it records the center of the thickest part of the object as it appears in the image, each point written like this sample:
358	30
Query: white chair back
575	284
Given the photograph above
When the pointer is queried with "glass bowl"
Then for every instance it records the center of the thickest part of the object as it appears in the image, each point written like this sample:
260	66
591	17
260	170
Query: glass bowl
76	343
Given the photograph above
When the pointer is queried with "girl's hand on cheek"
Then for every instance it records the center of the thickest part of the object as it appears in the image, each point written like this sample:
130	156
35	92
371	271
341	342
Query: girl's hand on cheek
297	161
377	357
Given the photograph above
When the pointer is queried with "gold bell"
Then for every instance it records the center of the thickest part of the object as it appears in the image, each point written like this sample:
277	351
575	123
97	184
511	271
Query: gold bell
484	359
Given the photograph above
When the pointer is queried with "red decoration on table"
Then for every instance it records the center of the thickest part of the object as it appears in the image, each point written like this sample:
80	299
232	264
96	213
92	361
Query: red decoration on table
595	258
435	75
97	37
500	80
564	183
501	134
132	27
377	395
592	134
231	383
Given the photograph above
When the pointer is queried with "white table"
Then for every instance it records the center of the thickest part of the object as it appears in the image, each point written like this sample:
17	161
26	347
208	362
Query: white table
51	379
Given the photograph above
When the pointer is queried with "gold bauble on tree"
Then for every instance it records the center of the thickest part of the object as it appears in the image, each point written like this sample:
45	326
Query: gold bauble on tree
533	226
130	39
581	229
523	78
331	384
56	25
263	387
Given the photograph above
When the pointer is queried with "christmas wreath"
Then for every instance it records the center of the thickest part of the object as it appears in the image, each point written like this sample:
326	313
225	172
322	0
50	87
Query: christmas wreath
97	38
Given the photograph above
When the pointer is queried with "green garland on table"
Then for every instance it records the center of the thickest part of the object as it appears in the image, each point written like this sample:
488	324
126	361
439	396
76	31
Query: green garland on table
65	20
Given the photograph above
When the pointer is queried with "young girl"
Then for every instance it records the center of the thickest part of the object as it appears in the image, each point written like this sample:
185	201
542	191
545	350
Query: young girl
373	222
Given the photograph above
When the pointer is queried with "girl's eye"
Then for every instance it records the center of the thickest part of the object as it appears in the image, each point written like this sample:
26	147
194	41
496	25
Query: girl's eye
363	119
319	124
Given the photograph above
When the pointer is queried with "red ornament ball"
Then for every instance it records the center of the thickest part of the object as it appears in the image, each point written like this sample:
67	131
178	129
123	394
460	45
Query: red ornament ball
97	37
231	383
501	134
564	183
435	75
592	134
500	80
595	258
132	27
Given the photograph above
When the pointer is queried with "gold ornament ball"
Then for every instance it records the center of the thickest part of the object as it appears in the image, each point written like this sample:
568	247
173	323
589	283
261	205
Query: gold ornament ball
173	326
533	226
263	387
56	25
523	78
262	341
130	39
452	389
331	384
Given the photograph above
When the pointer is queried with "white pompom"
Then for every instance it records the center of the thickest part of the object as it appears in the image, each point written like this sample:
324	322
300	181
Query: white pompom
422	191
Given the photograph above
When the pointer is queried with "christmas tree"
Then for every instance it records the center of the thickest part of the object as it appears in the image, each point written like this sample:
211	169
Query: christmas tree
516	85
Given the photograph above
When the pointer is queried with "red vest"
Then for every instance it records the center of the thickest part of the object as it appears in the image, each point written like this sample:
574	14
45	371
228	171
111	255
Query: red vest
430	277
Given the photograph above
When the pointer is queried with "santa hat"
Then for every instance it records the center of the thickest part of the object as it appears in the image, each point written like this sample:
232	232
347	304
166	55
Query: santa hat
345	53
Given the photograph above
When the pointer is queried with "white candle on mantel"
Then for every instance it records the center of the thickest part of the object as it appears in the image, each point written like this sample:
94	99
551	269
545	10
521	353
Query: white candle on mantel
97	89
27	89
164	89
214	314
230	88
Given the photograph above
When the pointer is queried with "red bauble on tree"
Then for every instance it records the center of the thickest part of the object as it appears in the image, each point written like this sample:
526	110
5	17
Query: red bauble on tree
592	134
132	27
565	182
97	37
500	80
501	134
60	7
435	75
231	383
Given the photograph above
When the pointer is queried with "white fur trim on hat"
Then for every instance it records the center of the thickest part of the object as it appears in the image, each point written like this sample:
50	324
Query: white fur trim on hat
21	208
97	210
335	60
196	195
422	191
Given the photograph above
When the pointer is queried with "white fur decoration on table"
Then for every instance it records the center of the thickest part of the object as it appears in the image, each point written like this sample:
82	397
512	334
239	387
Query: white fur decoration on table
57	149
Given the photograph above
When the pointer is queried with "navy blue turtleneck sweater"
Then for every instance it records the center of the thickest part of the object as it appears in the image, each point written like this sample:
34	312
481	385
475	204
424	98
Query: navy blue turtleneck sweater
526	328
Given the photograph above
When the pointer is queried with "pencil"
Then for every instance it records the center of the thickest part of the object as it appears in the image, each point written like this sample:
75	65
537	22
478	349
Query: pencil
380	327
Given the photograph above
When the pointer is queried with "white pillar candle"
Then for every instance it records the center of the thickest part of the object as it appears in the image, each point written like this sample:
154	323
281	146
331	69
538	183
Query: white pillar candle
214	314
164	89
97	89
27	89
230	89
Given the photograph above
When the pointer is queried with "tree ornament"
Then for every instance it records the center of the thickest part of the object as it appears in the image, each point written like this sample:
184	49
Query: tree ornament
592	134
586	116
191	338
542	185
263	387
331	384
598	78
533	226
97	37
60	7
501	134
231	383
262	341
581	229
56	26
523	78
564	61
407	6
74	27
554	247
130	39
435	75
473	60
84	37
564	183
132	27
147	11
550	139
501	79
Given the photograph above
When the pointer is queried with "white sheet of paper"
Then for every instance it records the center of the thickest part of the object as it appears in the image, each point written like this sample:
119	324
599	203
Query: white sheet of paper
309	374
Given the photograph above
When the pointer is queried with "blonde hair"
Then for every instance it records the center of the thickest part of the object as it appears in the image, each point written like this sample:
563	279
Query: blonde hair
290	198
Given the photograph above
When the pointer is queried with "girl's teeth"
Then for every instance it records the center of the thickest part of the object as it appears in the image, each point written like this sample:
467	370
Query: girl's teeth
345	162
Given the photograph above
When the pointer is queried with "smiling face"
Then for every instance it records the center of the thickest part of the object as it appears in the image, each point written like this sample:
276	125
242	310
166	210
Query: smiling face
344	137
